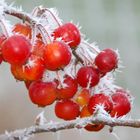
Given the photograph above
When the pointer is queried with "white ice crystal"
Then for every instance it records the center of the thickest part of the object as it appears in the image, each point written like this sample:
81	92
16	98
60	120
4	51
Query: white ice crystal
106	84
40	119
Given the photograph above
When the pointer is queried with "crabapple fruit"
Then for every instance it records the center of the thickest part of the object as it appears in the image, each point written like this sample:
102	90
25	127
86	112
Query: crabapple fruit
57	55
23	29
121	104
67	109
83	97
88	75
90	127
31	71
42	93
69	33
69	90
16	50
100	99
106	60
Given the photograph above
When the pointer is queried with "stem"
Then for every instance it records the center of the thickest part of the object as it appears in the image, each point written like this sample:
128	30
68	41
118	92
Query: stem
4	29
43	10
59	79
78	123
34	33
44	34
77	56
87	44
20	15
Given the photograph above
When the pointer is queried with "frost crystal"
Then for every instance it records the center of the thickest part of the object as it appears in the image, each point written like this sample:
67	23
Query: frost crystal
40	119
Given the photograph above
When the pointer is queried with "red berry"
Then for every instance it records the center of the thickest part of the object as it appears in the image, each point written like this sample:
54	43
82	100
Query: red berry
69	33
85	112
94	127
23	29
16	49
100	99
31	71
27	84
2	39
106	60
56	55
83	97
90	127
88	75
67	110
42	93
1	59
69	90
121	104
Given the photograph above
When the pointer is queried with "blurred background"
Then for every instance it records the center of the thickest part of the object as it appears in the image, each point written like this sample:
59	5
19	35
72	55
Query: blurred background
111	23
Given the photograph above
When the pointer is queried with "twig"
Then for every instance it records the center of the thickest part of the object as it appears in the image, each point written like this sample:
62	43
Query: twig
78	123
20	15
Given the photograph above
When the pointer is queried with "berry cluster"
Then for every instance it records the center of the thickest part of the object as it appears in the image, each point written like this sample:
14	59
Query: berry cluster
64	69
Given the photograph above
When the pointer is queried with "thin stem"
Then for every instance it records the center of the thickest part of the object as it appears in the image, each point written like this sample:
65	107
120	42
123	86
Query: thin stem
59	79
53	16
87	44
44	33
77	56
34	33
35	11
4	29
20	15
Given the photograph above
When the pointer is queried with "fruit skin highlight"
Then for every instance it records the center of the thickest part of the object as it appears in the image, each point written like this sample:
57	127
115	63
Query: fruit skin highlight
83	97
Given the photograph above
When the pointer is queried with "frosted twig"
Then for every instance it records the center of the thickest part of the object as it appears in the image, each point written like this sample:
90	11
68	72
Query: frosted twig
78	123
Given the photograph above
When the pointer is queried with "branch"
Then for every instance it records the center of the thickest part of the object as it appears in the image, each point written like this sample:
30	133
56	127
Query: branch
20	15
78	123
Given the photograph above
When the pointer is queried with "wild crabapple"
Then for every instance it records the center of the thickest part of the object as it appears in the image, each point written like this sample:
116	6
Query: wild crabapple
83	97
88	75
42	93
90	127
100	99
31	71
121	103
69	34
106	60
57	55
27	84
16	50
69	90
67	109
2	39
23	29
